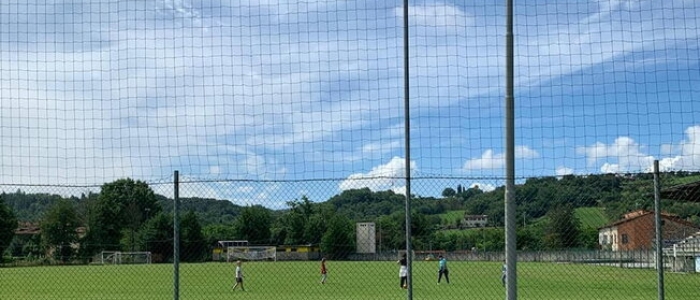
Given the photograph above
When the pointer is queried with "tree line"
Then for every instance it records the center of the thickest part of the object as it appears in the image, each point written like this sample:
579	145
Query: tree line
127	215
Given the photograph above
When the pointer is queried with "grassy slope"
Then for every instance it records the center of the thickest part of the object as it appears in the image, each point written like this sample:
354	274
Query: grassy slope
591	217
347	280
683	180
451	217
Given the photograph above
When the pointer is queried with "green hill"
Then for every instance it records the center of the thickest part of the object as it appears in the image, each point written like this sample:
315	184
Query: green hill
452	217
591	217
682	180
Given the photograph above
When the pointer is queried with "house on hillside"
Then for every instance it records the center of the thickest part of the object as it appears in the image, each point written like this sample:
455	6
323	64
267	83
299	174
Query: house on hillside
474	221
28	232
636	231
27	229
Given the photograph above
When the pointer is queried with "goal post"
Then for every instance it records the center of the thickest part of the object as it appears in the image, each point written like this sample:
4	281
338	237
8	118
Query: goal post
125	257
251	253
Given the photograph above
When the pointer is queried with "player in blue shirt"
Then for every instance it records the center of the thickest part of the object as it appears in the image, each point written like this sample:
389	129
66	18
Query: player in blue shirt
442	269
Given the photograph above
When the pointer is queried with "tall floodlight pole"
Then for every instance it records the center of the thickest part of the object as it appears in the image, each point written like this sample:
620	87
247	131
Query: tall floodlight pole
659	236
176	237
407	148
511	255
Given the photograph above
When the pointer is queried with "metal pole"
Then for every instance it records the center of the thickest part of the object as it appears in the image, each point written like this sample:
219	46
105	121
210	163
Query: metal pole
510	213
407	146
176	238
659	237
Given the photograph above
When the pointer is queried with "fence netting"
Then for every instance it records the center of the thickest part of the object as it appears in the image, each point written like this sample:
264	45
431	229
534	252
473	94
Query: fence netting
286	123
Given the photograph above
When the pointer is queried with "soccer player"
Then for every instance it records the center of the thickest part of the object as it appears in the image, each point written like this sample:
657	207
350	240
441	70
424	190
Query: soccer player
403	271
239	276
442	269
324	271
504	270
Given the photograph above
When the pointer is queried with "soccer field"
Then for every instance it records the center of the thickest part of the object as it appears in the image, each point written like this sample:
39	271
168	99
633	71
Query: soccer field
347	280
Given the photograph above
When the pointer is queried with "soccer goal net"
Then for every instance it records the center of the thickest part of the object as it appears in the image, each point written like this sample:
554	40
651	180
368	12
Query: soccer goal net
252	253
119	257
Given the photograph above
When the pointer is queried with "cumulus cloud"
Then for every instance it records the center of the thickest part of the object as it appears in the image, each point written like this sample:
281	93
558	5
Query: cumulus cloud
626	155
383	177
684	155
561	171
623	155
486	187
491	160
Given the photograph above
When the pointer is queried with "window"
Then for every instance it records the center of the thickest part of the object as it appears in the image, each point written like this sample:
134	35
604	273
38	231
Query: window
625	238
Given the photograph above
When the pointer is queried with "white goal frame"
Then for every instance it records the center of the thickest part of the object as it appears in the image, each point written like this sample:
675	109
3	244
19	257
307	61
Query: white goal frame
125	257
251	253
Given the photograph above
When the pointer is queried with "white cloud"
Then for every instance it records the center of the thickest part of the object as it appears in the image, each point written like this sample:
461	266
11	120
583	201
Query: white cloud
388	176
486	187
488	160
215	169
626	155
491	160
687	152
177	8
240	90
525	152
667	149
621	147
244	193
245	189
561	171
436	15
553	48
400	190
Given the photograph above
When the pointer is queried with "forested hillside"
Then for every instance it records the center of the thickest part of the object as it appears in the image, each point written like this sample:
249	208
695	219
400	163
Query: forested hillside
552	213
31	207
535	197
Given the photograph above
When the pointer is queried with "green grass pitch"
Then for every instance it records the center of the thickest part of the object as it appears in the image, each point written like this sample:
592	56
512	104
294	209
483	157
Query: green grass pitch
346	280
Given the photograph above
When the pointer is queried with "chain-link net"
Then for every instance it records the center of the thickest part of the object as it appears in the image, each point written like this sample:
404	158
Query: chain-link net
285	122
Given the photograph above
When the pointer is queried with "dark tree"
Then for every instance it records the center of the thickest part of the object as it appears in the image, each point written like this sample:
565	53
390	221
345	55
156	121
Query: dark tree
339	240
193	246
58	230
218	232
563	230
122	207
156	236
314	229
304	223
8	224
254	225
448	192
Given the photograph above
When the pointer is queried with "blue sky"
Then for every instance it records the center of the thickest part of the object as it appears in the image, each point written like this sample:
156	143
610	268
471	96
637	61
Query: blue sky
276	91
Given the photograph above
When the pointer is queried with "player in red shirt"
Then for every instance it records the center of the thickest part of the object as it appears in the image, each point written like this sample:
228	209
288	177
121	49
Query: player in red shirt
324	271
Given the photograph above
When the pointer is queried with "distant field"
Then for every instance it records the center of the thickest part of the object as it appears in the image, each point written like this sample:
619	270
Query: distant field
683	180
591	217
451	217
347	280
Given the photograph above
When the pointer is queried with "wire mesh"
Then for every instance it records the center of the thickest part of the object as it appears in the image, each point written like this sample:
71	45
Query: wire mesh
285	122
